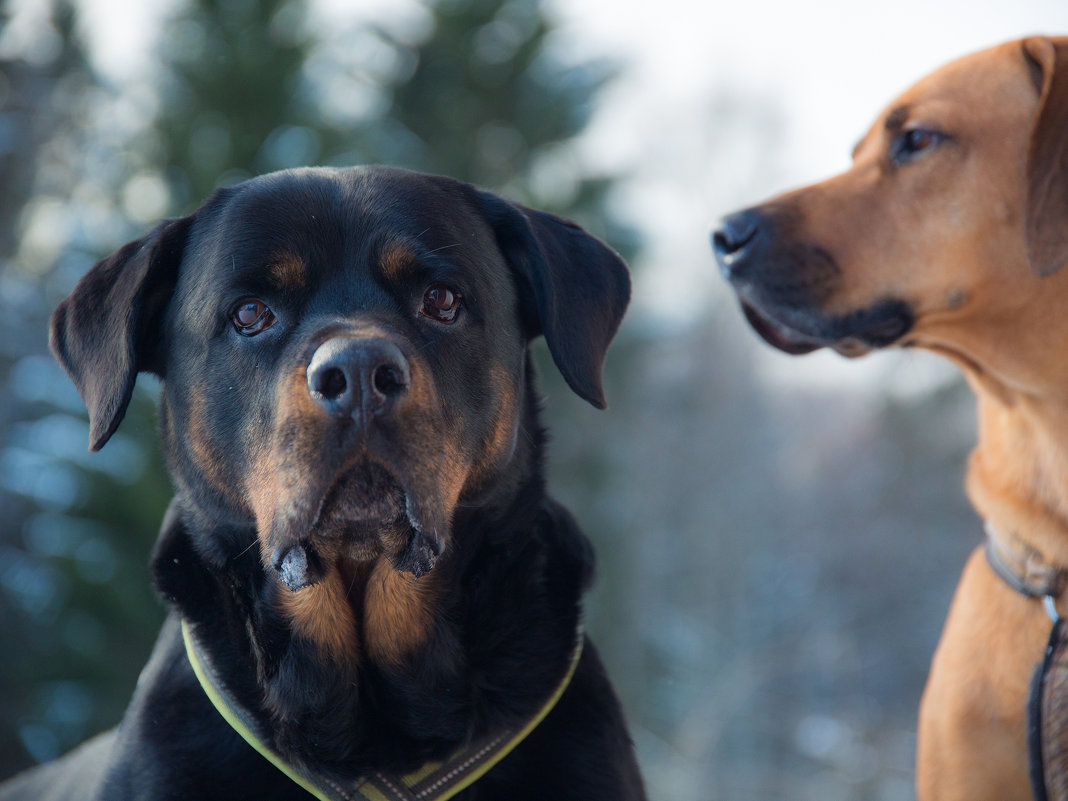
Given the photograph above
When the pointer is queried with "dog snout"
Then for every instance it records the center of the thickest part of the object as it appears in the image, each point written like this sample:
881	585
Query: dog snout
735	239
354	376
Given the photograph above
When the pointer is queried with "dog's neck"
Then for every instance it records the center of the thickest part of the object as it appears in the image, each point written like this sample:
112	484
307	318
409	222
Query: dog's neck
1018	473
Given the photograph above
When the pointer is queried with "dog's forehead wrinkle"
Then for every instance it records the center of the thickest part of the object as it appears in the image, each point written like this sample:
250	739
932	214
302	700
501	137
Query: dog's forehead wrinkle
353	297
282	231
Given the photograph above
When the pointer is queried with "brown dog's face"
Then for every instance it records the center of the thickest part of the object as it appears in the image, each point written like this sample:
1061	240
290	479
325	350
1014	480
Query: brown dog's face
925	240
343	355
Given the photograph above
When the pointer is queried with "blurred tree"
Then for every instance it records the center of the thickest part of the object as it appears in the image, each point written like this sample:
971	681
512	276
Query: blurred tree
233	102
483	103
470	88
59	573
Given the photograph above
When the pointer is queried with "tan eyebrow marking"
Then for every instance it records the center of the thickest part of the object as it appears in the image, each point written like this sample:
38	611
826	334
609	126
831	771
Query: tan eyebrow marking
395	259
287	271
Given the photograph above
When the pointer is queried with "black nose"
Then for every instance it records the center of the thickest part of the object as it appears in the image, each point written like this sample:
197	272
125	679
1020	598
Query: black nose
358	374
734	239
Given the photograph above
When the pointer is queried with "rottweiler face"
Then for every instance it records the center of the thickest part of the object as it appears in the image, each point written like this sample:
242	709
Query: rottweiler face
343	354
361	346
945	226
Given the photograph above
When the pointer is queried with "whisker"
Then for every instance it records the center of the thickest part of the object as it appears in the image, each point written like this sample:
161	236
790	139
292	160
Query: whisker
249	548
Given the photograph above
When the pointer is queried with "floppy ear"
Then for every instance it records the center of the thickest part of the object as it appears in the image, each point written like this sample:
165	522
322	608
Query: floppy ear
107	330
1047	159
580	287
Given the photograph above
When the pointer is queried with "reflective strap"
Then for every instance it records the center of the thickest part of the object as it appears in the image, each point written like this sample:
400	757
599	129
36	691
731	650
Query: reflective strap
473	763
210	684
434	781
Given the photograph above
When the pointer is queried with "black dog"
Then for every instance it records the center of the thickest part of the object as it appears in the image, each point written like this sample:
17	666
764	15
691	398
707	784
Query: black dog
368	574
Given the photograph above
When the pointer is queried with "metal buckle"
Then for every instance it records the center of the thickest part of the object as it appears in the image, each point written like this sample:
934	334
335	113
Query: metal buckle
1050	603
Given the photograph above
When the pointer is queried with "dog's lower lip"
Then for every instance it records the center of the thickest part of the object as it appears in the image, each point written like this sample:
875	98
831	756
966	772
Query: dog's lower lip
888	332
778	335
880	325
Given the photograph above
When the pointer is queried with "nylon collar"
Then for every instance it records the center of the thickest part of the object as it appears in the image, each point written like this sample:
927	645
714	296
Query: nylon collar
1025	570
434	781
1022	566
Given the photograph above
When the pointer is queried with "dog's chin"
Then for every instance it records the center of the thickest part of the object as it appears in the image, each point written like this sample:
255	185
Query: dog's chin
880	325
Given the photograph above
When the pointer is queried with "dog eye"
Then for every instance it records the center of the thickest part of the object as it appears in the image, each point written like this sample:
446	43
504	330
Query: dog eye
911	143
252	316
441	303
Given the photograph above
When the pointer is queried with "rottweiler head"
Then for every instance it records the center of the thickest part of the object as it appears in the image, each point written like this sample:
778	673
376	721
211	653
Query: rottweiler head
951	219
343	356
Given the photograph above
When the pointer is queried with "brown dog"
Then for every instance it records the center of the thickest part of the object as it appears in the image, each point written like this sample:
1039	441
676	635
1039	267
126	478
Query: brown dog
950	233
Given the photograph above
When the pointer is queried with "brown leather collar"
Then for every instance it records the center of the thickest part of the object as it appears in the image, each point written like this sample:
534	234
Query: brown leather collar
1022	566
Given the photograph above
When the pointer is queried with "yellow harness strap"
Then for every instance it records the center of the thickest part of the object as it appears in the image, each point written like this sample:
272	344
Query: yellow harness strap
434	781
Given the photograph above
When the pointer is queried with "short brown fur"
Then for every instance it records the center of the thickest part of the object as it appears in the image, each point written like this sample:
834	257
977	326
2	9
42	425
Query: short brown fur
394	260
322	614
202	451
397	612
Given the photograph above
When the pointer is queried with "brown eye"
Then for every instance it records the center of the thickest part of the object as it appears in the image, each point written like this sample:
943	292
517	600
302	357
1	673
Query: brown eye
251	317
918	140
441	303
911	143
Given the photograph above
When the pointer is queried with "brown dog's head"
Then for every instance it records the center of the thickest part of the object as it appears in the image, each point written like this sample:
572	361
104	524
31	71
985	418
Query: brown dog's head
343	354
952	218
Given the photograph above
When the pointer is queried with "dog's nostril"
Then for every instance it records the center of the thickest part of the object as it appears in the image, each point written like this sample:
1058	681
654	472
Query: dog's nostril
735	233
388	380
331	383
720	243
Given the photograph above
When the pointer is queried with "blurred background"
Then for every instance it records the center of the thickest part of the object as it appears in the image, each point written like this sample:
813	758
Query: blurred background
778	538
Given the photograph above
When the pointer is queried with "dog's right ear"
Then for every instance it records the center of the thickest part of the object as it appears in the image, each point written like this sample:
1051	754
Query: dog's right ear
1047	158
581	288
108	329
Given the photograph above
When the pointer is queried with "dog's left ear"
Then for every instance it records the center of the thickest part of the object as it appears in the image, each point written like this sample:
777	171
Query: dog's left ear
1047	158
107	330
580	286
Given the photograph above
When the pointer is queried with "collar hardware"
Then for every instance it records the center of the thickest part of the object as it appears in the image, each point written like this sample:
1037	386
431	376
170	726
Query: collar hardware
1022	566
1050	603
